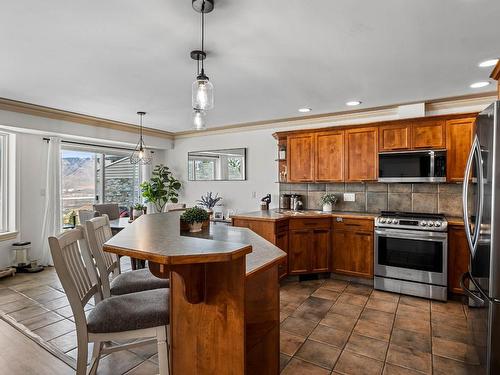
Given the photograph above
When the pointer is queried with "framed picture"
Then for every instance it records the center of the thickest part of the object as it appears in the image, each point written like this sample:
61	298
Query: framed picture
218	215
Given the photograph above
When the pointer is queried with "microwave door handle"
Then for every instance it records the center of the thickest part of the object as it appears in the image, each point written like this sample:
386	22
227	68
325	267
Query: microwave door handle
465	193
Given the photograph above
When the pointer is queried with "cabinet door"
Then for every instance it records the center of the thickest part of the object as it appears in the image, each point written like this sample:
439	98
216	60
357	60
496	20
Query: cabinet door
282	243
340	252
458	144
300	157
428	134
299	259
394	137
361	148
458	257
329	165
320	252
360	246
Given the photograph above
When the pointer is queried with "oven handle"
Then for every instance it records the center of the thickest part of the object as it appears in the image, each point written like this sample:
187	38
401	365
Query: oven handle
426	236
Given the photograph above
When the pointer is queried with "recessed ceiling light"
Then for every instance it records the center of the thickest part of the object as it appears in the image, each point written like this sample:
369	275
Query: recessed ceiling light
478	85
488	63
305	110
353	103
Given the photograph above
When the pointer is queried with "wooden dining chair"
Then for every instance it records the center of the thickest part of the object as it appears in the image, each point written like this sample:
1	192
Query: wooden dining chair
110	209
142	316
98	232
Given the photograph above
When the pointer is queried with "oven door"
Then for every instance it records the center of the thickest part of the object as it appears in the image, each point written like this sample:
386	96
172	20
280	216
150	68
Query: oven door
412	255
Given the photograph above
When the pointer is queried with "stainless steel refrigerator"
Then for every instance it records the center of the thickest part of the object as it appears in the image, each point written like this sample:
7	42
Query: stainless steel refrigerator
481	205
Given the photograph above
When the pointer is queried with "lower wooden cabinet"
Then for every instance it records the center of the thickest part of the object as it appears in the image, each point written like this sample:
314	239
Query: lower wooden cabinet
458	257
309	251
282	242
353	247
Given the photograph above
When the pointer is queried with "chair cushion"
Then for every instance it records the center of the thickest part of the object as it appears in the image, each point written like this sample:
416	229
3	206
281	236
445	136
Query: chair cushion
129	312
136	281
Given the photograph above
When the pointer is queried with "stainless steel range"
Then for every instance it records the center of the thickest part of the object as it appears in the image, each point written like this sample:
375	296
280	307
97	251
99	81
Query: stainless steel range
411	254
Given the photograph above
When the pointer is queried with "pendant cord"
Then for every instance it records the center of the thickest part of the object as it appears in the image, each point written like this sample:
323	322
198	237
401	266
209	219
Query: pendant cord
202	32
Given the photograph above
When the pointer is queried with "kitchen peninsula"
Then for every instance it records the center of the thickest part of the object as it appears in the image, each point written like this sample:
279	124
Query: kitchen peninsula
224	299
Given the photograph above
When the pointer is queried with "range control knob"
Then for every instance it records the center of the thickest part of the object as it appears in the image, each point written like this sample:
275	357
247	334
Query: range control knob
431	224
382	220
437	224
394	221
423	223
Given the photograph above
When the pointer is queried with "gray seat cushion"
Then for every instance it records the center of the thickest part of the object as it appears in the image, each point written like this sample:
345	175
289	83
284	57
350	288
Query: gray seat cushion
140	310
136	281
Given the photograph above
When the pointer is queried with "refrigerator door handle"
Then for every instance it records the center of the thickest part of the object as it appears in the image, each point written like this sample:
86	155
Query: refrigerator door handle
472	239
467	276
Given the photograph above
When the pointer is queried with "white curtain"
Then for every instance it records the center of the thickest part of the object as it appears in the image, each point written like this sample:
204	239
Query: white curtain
52	220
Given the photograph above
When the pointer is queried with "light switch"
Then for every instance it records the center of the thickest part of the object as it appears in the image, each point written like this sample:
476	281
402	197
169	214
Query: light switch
349	197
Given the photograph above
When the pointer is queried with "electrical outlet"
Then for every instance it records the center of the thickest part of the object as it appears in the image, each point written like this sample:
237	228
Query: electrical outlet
349	197
254	194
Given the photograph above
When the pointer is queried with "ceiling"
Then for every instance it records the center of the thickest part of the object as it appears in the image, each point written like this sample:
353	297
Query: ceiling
266	58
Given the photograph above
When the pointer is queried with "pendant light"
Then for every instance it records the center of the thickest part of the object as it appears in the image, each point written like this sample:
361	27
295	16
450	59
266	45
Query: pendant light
140	155
202	98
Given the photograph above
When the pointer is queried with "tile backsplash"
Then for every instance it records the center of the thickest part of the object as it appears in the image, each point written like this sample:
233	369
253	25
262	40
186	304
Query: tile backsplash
375	197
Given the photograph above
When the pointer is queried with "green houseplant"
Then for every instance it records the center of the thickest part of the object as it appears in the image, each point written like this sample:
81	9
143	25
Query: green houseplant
162	188
328	200
195	217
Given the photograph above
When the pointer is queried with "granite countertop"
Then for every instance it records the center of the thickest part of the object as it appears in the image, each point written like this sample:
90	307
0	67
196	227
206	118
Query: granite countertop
276	214
159	239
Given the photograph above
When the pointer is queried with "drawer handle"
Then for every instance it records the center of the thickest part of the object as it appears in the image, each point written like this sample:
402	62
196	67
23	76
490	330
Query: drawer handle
353	225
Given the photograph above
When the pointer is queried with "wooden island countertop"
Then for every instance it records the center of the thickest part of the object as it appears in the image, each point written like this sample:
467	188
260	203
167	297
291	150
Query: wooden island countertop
224	293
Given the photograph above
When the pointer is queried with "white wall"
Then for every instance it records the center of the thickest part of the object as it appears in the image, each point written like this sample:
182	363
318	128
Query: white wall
261	168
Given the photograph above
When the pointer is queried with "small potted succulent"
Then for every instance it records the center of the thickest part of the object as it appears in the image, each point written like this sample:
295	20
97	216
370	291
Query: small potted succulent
139	209
209	201
328	200
195	217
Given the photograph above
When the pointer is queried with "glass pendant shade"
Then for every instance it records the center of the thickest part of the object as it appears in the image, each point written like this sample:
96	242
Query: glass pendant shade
199	119
202	94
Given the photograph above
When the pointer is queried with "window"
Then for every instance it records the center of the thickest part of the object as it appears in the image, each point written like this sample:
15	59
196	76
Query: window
202	169
4	198
97	176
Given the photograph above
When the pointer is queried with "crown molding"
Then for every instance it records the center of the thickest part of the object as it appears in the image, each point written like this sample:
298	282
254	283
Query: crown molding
435	106
58	114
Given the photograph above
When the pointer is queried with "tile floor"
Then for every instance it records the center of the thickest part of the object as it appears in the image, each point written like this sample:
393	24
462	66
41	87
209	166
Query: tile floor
327	327
335	327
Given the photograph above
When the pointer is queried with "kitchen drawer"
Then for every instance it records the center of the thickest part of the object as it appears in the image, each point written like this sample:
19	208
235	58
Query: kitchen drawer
340	223
309	223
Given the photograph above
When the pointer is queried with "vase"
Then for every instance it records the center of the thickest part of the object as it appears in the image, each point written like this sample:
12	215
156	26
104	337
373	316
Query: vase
137	213
195	227
327	207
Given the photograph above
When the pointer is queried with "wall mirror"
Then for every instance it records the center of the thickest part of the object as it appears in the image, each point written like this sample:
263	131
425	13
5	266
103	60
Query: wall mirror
217	165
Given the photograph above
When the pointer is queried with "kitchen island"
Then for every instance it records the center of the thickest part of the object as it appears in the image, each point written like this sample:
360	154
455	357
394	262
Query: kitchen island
224	293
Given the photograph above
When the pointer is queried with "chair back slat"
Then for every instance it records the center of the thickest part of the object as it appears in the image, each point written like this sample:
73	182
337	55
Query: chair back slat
98	232
76	270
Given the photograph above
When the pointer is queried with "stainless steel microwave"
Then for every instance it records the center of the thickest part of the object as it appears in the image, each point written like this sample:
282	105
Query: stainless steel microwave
412	166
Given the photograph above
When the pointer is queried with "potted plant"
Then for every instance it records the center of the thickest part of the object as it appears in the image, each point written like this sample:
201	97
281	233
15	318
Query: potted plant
138	210
209	201
195	217
162	188
328	200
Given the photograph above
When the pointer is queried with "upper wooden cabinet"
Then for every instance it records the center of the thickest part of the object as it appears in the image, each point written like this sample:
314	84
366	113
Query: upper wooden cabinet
300	159
458	143
329	156
428	134
394	137
361	154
